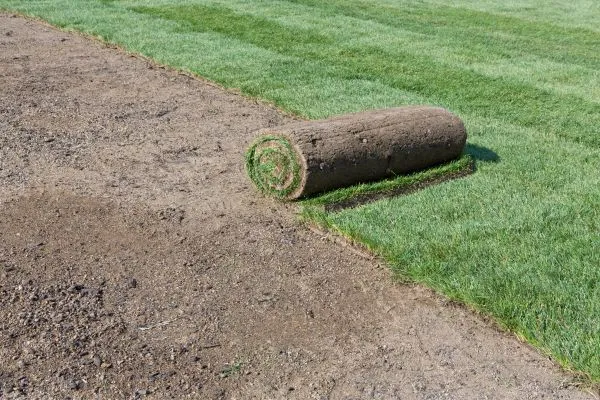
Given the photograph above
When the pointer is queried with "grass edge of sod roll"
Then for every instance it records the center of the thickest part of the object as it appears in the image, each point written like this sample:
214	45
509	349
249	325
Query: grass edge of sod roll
363	193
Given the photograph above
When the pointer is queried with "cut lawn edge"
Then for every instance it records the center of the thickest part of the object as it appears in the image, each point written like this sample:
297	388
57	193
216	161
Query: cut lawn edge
314	217
314	213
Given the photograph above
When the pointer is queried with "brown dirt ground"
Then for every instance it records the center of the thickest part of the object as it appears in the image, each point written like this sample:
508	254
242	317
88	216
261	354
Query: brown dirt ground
137	261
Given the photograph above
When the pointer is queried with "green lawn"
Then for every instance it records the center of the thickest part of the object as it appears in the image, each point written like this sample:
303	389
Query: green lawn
520	238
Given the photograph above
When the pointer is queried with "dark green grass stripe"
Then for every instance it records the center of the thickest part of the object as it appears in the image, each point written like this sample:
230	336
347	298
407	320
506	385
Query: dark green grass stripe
223	20
486	35
466	91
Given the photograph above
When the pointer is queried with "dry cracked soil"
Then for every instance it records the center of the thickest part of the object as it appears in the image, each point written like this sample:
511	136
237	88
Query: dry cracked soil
137	261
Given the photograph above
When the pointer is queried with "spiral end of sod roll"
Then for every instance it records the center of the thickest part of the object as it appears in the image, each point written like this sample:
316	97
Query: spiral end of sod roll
274	165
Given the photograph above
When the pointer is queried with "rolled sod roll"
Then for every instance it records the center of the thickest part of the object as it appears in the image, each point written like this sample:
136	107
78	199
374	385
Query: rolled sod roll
309	157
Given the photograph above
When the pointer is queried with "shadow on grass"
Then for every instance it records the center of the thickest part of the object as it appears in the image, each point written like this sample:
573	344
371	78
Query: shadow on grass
480	153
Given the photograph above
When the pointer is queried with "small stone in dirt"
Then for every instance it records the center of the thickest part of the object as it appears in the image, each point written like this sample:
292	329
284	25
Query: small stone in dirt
75	384
174	214
97	361
75	288
162	112
90	292
23	383
160	375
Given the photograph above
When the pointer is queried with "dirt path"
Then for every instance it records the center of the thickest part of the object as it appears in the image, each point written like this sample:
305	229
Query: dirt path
136	260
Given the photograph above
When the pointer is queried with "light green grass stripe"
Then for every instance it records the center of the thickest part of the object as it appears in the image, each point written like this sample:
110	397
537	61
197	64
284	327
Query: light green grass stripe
540	54
490	53
559	78
583	14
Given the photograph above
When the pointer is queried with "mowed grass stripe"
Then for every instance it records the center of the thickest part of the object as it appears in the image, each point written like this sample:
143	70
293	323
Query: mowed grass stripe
540	55
564	115
486	35
494	58
571	14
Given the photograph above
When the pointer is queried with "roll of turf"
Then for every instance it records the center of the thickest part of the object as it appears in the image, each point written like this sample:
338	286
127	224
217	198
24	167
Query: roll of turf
309	157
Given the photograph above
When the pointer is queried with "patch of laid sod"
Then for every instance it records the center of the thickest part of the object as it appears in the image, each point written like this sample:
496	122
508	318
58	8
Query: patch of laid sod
520	247
518	239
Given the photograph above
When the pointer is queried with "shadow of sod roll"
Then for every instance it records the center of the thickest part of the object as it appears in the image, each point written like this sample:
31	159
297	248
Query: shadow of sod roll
308	157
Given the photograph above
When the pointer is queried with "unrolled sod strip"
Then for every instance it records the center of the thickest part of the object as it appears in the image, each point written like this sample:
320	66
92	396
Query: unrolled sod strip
308	157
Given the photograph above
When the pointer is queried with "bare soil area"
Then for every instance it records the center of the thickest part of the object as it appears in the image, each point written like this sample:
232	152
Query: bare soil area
136	260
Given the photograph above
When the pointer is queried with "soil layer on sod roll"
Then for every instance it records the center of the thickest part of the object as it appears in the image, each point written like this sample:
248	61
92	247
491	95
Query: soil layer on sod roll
309	157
